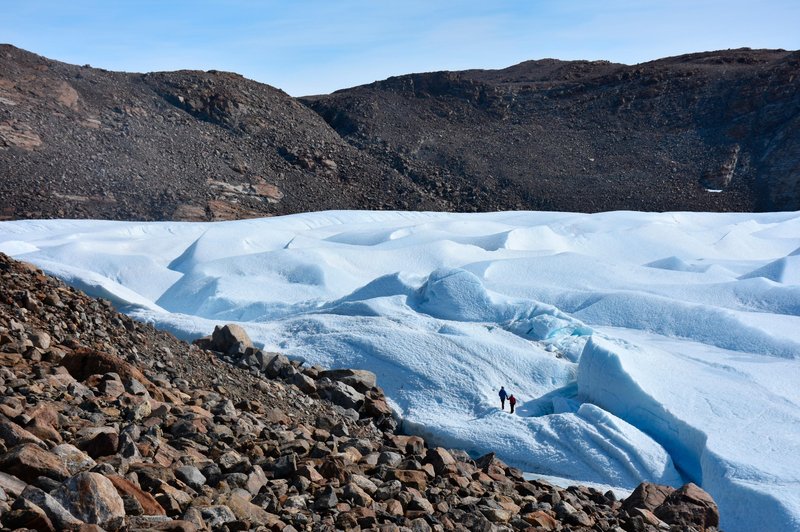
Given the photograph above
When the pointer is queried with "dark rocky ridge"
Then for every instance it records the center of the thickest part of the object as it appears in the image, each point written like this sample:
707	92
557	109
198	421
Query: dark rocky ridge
107	422
591	136
80	142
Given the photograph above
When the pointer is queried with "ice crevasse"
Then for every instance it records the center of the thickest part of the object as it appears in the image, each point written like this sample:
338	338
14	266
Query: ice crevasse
682	408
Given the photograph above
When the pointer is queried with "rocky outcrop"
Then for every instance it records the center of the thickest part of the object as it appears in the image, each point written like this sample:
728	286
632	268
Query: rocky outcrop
589	136
79	142
234	440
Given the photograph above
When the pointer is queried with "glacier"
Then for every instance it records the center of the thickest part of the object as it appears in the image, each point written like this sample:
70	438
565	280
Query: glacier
641	346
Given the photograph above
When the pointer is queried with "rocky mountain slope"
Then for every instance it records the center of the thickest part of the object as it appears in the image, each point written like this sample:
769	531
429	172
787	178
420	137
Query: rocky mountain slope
81	142
591	136
107	423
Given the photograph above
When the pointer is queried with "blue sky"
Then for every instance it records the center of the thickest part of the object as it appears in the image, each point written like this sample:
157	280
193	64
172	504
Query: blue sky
317	46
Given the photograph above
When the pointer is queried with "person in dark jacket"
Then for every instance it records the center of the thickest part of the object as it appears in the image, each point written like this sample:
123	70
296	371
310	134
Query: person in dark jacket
511	402
503	396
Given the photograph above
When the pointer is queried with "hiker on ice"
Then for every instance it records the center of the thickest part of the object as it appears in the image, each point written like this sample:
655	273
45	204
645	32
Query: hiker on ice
511	402
503	396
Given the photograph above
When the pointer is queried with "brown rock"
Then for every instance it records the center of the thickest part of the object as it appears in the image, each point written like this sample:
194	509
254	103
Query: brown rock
647	516
84	362
689	506
126	488
394	507
243	509
20	135
415	479
97	442
31	517
12	434
440	458
353	493
376	407
409	444
45	422
542	520
497	515
648	496
29	461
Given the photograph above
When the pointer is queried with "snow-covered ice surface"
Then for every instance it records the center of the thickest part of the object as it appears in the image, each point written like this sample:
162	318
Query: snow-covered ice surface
658	347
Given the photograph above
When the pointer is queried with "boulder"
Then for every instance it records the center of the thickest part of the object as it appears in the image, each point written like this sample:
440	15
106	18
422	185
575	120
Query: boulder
191	476
12	434
304	382
92	498
230	338
648	496
31	517
84	362
361	380
28	461
61	518
325	499
128	489
11	485
75	459
340	393
353	493
98	441
217	516
409	477
276	365
244	510
440	458
689	506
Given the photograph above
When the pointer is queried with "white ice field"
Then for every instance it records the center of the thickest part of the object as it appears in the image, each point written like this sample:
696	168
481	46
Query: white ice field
662	347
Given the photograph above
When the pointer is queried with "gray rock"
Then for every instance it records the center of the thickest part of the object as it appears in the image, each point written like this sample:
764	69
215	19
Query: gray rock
325	499
285	465
230	339
92	498
356	495
11	484
60	516
276	365
40	339
390	458
216	516
340	393
361	380
191	476
388	490
304	383
75	459
364	483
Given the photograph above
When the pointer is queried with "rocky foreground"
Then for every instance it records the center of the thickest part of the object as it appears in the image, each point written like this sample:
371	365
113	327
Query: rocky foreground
107	423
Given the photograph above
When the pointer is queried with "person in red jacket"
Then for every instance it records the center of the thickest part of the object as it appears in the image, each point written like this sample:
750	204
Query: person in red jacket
512	401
